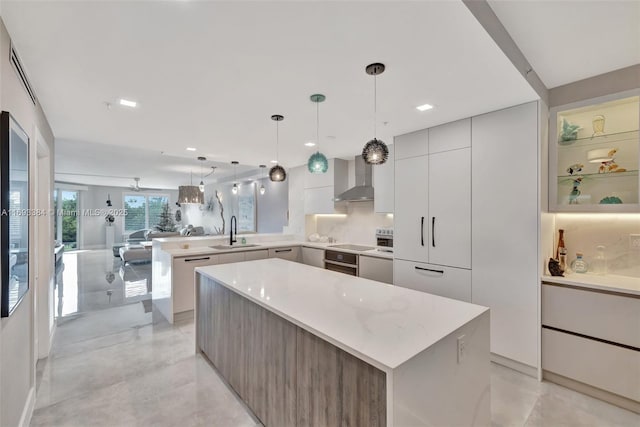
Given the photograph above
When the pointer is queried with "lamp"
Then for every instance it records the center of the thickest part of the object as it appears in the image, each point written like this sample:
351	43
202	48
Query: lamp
201	186
375	152
318	163
262	189
277	173
190	194
234	190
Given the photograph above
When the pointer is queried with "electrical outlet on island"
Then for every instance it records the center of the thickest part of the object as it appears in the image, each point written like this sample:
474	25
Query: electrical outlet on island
634	242
461	348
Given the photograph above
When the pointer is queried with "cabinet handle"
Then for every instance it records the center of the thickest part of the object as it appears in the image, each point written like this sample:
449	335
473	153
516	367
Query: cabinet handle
429	269
197	259
422	231
283	250
433	231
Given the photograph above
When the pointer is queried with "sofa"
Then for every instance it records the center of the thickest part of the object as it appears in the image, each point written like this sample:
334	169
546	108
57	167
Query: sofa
138	236
134	253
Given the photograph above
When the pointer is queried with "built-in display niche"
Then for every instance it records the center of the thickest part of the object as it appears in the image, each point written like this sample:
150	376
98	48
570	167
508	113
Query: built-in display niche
594	156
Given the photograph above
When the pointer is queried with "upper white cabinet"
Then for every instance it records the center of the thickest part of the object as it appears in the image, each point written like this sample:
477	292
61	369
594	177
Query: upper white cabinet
450	136
411	144
504	244
321	189
383	180
594	155
432	217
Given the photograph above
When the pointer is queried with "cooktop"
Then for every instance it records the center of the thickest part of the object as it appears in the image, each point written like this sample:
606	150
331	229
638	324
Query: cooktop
353	247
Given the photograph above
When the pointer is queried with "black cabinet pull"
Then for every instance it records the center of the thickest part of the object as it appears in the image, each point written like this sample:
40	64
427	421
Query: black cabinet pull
422	231
429	269
433	231
197	259
283	250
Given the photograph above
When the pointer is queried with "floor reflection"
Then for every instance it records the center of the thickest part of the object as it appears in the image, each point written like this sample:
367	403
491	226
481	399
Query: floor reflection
95	280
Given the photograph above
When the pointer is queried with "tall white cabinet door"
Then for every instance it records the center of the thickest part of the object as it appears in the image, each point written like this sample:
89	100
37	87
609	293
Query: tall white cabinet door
411	209
383	184
504	249
449	222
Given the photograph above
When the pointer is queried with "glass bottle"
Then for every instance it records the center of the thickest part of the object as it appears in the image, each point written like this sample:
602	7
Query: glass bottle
560	243
579	265
599	264
562	258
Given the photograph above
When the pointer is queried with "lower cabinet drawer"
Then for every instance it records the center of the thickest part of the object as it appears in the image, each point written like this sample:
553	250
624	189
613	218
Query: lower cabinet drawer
608	367
434	279
610	317
288	253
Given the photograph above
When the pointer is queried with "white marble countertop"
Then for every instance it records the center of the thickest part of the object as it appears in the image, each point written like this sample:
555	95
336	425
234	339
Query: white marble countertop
198	250
608	282
382	324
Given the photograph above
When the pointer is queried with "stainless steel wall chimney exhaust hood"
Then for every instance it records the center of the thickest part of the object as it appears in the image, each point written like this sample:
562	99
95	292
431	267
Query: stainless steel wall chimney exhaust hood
363	191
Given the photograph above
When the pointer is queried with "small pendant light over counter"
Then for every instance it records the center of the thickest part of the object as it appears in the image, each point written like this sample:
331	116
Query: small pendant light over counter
262	189
201	186
277	173
318	162
375	152
234	189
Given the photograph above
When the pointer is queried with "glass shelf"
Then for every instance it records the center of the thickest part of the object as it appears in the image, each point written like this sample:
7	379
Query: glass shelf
598	175
611	138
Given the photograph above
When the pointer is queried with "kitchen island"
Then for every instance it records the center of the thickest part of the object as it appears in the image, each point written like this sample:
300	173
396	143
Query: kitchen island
306	346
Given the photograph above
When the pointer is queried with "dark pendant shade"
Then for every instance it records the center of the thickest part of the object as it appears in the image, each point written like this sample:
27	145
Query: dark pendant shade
190	194
318	163
375	152
277	174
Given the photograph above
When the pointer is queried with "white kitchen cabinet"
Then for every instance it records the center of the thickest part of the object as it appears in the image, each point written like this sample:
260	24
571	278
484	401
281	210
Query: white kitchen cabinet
434	279
313	256
183	272
253	255
432	216
412	144
231	257
291	253
450	136
450	208
321	189
504	248
411	209
376	268
383	180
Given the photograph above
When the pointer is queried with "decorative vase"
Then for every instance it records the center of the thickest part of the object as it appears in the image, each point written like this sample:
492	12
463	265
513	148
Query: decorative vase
598	125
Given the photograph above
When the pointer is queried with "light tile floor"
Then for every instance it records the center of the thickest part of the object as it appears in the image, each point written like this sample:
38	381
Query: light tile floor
115	363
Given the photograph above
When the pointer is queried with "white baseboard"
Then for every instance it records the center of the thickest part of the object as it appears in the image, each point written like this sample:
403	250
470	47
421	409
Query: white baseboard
27	411
523	368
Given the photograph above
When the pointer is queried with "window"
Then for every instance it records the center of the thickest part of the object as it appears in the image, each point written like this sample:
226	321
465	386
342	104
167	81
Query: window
143	210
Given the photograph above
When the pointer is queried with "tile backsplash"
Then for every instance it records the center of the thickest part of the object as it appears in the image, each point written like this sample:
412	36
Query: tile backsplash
583	232
357	226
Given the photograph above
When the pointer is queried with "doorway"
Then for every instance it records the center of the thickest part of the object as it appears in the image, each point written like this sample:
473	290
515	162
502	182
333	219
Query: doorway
66	225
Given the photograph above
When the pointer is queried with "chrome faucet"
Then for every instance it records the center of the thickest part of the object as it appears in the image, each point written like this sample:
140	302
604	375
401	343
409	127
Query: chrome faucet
234	224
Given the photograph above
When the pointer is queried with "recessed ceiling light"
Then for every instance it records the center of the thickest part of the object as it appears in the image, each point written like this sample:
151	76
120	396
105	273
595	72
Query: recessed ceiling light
191	149
127	103
310	144
274	161
424	107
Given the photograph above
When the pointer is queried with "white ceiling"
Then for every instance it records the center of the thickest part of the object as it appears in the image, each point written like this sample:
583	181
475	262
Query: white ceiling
566	41
210	74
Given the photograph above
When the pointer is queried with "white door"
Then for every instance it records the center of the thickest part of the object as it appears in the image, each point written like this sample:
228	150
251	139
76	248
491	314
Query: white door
449	223
411	209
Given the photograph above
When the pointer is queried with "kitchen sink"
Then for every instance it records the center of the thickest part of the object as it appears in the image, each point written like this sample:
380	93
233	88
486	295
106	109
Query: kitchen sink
225	247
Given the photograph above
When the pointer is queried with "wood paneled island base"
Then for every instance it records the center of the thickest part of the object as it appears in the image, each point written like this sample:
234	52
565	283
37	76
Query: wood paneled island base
290	374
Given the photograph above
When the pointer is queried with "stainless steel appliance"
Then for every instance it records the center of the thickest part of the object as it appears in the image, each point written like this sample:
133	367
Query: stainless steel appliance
343	262
384	237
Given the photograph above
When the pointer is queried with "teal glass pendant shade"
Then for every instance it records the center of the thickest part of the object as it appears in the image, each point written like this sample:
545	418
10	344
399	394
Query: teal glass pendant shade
318	163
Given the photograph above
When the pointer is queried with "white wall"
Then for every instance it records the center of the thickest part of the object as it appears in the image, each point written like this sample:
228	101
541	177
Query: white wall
93	228
17	332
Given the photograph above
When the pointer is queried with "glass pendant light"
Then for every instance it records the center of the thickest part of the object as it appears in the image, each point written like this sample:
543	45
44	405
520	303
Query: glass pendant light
201	186
277	173
262	189
375	152
234	189
318	162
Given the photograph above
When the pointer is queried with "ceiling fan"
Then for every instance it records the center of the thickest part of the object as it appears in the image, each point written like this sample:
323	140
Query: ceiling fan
136	186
